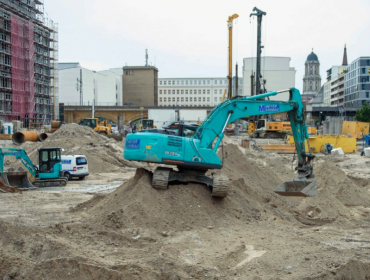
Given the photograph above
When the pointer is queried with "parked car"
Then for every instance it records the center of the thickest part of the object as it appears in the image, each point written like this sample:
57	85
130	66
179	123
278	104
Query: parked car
75	166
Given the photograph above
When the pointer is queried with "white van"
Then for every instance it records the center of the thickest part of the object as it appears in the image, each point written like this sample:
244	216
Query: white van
75	166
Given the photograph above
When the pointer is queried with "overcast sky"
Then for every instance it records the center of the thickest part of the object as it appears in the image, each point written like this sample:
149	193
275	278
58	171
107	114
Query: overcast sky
190	38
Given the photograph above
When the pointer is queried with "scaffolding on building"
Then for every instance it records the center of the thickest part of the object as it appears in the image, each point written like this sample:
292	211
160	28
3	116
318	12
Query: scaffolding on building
29	65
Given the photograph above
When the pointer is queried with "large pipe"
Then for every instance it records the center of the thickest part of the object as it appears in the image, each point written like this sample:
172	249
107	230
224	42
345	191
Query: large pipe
19	138
43	136
55	124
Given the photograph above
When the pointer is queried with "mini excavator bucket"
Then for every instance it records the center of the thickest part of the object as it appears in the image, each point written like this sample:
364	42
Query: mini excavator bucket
298	187
16	180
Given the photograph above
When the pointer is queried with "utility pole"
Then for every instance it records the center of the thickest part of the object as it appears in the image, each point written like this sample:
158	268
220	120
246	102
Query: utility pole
230	77
146	57
79	87
259	15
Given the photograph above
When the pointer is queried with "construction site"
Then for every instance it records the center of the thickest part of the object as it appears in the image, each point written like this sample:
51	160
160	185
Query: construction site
249	189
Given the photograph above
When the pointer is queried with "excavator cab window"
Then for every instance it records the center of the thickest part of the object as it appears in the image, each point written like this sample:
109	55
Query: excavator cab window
48	158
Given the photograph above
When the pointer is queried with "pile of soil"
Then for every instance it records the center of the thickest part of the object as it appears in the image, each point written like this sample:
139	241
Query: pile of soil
103	154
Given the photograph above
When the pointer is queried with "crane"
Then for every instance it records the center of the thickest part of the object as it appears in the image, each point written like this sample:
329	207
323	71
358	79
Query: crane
230	76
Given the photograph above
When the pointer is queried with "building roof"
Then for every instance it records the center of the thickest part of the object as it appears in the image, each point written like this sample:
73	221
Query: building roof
312	57
140	67
66	65
319	97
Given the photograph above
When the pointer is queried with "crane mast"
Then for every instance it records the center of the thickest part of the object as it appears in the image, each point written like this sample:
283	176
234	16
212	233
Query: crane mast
230	76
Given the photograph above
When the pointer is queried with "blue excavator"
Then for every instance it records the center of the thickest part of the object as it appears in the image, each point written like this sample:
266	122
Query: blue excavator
195	155
48	173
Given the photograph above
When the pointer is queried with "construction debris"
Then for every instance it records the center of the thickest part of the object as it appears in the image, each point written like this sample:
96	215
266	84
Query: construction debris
137	232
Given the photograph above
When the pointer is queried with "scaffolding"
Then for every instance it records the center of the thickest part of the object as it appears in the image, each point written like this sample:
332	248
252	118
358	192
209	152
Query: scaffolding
28	62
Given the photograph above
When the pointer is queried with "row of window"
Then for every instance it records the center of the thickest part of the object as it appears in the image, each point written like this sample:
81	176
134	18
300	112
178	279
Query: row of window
356	95
187	99
195	82
196	91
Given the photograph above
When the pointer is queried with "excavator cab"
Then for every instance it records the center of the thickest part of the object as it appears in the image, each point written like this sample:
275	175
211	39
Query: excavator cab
50	163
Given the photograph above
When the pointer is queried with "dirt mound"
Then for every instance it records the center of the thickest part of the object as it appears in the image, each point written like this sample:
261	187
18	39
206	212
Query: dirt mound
336	193
137	204
103	154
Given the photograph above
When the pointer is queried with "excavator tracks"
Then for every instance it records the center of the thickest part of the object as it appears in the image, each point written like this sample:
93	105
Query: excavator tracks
220	185
160	178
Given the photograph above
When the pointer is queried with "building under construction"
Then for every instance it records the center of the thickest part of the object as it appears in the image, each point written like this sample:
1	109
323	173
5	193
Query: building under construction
28	63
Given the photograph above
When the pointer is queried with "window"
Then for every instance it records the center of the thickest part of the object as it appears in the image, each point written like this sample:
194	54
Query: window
363	86
186	99
191	82
160	91
240	82
204	82
214	91
165	99
178	99
178	91
220	91
164	91
186	91
195	91
173	82
225	82
220	82
199	82
208	82
240	91
160	99
220	99
182	99
191	91
160	82
208	91
182	91
215	99
177	82
363	70
367	94
173	99
173	91
191	98
208	99
368	62
182	82
6	15
204	91
204	99
215	82
187	82
195	99
164	83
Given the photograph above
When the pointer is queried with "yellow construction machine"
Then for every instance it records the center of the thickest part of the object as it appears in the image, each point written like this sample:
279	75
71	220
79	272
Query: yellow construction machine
102	128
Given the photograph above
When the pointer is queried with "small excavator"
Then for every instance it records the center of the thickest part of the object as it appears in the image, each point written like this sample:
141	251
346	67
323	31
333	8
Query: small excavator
48	173
195	155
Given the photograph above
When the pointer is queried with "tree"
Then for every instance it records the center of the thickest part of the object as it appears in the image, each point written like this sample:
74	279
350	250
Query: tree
363	114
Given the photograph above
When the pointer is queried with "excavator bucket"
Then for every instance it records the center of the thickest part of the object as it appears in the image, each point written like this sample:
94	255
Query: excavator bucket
5	187
298	187
17	179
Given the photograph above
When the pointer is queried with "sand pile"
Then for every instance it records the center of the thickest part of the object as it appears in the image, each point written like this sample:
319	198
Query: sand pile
336	194
136	204
103	154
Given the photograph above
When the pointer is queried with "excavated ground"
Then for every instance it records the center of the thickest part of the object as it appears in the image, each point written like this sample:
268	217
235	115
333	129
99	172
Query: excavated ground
114	225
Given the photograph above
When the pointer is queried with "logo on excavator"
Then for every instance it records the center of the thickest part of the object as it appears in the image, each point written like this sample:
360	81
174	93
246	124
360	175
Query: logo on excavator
269	108
133	144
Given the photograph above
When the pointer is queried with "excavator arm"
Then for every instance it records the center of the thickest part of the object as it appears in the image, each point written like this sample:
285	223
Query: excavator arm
18	154
214	125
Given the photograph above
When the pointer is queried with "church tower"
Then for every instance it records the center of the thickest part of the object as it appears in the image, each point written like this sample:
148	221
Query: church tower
312	78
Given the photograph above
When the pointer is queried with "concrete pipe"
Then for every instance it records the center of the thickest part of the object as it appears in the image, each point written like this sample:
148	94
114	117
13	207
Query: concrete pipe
43	136
23	136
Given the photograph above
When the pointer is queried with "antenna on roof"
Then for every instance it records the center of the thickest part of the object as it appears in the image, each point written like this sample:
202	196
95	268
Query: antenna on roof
146	57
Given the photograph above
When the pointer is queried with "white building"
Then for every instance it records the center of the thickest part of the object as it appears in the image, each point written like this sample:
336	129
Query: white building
105	87
193	91
275	70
